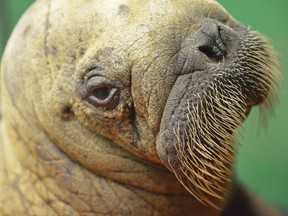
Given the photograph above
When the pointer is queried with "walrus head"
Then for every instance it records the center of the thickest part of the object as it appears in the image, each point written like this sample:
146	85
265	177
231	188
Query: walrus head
168	81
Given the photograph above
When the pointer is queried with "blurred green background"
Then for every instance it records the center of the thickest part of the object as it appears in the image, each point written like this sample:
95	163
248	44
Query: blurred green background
263	161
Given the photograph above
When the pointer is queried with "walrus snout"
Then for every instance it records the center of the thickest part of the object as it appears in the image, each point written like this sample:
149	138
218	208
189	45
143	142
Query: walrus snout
205	109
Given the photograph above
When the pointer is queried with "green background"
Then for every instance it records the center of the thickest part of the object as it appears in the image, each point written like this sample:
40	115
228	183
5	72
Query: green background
263	161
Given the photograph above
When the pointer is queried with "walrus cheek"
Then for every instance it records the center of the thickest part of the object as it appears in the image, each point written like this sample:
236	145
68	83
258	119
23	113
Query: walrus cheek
174	114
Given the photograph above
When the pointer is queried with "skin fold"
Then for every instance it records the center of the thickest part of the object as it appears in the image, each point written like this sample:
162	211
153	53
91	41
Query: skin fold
129	108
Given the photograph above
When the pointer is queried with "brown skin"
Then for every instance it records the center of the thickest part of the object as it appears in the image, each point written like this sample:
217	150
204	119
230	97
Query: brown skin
65	153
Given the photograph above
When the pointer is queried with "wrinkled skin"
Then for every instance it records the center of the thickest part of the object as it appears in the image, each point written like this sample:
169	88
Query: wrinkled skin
64	154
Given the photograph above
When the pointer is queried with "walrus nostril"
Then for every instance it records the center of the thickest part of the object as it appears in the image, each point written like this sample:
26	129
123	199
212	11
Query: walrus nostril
213	52
212	44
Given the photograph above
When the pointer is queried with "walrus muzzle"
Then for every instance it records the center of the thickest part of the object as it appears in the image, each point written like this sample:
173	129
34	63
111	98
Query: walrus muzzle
199	125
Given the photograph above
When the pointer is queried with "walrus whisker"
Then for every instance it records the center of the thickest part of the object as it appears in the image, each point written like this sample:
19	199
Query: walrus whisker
209	123
204	199
198	185
213	183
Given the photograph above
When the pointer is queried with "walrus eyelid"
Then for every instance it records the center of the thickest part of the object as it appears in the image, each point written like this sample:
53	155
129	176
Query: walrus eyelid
101	93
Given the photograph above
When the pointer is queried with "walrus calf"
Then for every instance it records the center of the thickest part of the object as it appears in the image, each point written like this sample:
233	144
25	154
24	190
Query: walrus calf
129	108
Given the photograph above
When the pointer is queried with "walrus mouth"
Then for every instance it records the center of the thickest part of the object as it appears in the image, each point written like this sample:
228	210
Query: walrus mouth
197	138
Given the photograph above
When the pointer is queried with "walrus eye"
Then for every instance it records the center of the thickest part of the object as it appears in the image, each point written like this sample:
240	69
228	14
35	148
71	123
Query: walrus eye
101	93
213	46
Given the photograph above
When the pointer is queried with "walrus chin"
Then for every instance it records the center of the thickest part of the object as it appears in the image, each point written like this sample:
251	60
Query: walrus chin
199	146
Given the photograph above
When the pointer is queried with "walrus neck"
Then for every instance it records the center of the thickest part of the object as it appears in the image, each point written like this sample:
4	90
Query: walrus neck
62	186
